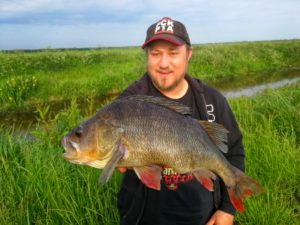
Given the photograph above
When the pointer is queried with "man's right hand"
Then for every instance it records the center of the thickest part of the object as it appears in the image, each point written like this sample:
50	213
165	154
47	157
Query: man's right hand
122	169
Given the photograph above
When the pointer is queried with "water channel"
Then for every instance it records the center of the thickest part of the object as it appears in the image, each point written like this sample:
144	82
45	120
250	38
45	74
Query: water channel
247	86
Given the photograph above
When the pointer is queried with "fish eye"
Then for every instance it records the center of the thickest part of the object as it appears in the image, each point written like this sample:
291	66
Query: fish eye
79	131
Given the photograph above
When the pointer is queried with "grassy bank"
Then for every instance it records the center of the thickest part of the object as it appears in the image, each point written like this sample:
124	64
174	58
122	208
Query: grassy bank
230	60
49	75
38	187
270	124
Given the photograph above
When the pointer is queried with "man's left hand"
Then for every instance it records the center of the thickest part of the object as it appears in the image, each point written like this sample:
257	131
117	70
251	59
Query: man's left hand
221	218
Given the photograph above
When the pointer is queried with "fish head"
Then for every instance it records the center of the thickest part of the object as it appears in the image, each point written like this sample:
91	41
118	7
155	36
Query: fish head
91	143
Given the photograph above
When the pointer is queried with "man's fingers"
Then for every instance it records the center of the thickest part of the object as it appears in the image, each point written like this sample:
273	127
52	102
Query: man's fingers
122	169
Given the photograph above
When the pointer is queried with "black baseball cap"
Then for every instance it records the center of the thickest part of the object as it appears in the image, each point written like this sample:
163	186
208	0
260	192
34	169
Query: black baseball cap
169	30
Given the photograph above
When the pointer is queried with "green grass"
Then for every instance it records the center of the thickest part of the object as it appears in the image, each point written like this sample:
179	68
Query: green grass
61	74
101	72
38	187
226	61
270	124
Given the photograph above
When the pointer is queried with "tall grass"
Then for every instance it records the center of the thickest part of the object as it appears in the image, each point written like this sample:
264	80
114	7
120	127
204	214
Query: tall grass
38	187
100	72
270	124
229	60
60	75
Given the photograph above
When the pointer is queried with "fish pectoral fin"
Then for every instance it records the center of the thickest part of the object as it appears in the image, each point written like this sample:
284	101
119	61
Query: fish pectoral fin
149	175
217	133
205	177
119	152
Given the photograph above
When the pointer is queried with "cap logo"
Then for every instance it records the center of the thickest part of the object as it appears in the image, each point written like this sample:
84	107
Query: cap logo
164	26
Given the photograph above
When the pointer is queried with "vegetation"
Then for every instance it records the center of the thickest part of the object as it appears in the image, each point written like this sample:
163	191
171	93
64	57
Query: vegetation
38	187
102	72
219	61
270	125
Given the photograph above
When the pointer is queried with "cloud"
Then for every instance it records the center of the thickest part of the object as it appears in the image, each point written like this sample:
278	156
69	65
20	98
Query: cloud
128	11
14	7
60	12
77	23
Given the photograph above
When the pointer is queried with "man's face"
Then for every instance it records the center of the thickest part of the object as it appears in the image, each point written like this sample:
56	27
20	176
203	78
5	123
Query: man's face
167	64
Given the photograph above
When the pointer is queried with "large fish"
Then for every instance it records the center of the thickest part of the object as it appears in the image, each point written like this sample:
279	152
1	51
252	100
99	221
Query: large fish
145	133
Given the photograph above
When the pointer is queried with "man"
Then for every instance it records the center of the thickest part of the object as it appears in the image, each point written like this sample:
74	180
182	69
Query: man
182	199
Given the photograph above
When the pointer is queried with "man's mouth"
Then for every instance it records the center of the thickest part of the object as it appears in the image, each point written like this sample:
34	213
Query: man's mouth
164	72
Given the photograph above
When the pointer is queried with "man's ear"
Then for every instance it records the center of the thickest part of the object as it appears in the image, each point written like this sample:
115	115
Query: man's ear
190	52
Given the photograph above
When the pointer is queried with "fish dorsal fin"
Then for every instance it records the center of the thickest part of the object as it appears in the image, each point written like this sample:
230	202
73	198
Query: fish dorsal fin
217	133
185	110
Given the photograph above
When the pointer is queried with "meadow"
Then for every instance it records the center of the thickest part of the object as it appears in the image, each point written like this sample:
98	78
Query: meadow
38	187
29	78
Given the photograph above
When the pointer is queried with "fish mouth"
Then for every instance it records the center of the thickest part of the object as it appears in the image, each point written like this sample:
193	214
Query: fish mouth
68	144
73	154
71	148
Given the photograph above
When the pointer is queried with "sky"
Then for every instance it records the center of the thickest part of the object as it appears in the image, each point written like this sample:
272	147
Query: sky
36	24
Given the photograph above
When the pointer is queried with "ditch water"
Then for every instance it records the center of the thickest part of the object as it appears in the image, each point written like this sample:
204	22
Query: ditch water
253	90
21	119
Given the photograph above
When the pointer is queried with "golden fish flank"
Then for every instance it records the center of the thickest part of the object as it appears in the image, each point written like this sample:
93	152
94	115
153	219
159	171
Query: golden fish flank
145	133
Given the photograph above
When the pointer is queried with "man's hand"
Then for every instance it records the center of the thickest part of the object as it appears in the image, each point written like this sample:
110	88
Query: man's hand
122	169
221	218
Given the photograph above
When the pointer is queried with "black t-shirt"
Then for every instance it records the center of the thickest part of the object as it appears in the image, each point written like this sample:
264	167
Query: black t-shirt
182	200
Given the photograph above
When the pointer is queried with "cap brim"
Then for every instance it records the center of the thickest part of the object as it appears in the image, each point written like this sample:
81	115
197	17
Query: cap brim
165	37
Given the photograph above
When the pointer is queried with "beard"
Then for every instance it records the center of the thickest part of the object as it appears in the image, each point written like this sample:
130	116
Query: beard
164	85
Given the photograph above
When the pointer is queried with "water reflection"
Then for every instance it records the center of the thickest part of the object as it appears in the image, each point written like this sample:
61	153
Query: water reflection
253	90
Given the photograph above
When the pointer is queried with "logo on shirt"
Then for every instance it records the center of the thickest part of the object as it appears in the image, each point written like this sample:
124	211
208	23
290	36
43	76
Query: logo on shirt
171	179
164	26
210	112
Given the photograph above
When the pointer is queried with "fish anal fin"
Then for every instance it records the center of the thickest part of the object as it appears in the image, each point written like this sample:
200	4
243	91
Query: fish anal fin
118	153
217	133
205	177
149	175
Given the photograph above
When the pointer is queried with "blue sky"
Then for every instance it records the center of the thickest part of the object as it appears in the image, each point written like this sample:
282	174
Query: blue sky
33	24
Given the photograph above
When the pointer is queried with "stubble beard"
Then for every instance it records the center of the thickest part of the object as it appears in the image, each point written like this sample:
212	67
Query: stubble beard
163	86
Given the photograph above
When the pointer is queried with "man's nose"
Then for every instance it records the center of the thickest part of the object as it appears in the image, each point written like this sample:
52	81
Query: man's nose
164	61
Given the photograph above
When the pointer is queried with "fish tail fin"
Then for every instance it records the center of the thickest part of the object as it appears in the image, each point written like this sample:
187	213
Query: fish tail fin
244	187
